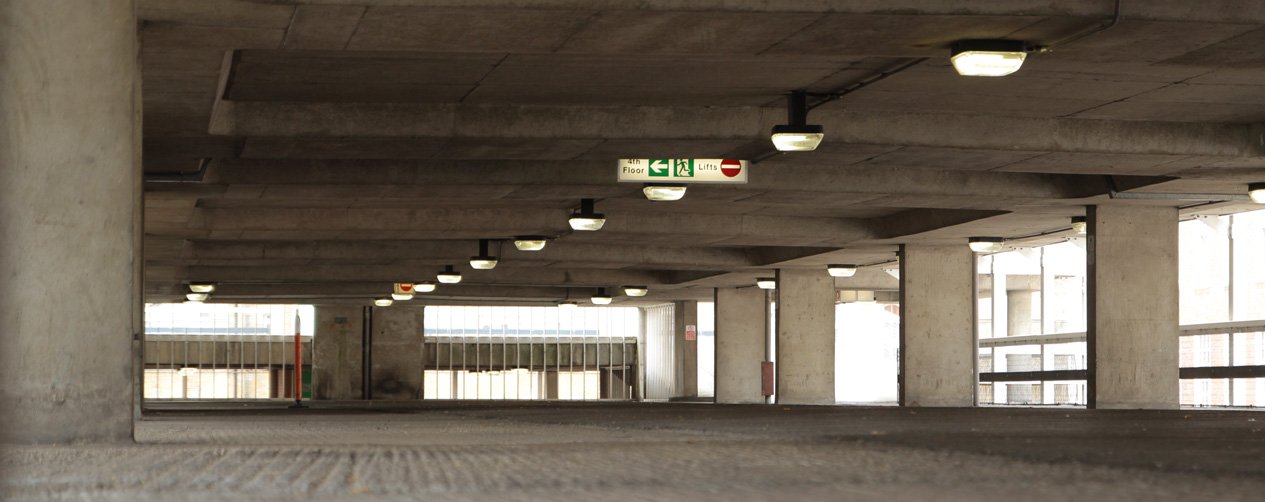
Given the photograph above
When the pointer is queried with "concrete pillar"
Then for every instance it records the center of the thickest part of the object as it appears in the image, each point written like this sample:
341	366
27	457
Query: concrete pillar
686	351
551	384
1132	318
338	352
740	340
1018	312
805	337
937	326
398	335
69	220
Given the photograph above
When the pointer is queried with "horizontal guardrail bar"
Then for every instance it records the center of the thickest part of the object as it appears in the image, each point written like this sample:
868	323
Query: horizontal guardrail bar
1033	376
1215	328
1064	375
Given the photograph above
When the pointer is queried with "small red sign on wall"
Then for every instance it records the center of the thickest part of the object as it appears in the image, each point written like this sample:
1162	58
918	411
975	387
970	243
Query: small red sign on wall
766	377
691	332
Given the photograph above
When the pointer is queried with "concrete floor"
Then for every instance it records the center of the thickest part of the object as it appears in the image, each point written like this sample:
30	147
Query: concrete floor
621	451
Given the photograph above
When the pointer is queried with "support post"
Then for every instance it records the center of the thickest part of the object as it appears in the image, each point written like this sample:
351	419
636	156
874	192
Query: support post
1132	339
805	337
938	339
740	344
70	219
686	349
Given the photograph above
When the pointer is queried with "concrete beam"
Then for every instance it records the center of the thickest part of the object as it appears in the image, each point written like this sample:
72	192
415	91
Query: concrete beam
457	251
870	180
237	12
523	276
437	121
475	223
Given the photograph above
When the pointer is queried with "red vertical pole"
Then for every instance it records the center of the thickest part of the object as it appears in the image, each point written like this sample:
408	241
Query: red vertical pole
298	365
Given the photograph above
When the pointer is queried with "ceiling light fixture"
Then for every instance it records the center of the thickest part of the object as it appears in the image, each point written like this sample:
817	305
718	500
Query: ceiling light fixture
530	242
449	276
988	58
1257	192
202	287
766	282
986	244
636	290
601	298
841	270
383	302
197	297
586	219
568	304
484	261
424	287
797	135
400	297
663	191
1080	225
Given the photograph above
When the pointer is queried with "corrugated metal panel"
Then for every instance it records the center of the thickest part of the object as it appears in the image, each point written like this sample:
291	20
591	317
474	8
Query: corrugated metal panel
660	359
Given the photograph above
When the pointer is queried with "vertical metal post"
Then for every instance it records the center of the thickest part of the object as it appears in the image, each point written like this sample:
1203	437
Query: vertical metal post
298	364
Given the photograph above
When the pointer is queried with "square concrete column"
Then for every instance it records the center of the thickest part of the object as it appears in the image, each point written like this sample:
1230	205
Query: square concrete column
686	353
1132	319
740	341
70	231
338	352
396	370
937	326
805	337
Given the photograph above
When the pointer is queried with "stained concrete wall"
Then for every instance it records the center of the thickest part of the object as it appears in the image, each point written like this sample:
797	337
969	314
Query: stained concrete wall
69	220
740	341
805	337
396	369
937	326
686	352
1132	320
337	369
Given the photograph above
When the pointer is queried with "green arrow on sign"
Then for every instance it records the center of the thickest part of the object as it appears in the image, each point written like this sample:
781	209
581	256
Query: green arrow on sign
659	167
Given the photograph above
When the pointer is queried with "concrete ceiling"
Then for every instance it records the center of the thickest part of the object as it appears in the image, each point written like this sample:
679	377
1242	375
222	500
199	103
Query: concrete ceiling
319	150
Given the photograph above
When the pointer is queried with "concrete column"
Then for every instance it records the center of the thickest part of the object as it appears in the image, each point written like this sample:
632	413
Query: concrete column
398	334
686	351
69	220
937	326
551	384
805	337
740	340
1018	312
338	352
1132	318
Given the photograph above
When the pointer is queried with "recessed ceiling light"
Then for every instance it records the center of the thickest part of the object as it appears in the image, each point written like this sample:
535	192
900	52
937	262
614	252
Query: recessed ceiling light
383	302
660	191
841	270
202	287
401	296
530	242
988	58
196	297
586	219
766	283
986	244
797	135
